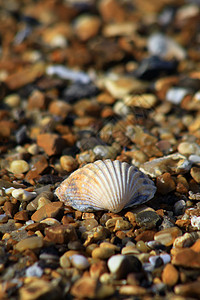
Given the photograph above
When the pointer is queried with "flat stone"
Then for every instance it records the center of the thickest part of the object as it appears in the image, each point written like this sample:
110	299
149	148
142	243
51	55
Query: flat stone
19	166
132	290
24	76
51	143
21	216
145	236
38	167
102	253
167	236
32	243
170	275
50	210
148	219
61	234
186	258
146	101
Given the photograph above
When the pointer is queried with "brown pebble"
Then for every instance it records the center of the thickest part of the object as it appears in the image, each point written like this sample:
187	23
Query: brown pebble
102	253
170	275
132	290
51	143
98	268
167	236
61	234
59	108
196	246
33	242
68	163
50	210
122	225
191	289
187	258
21	216
165	184
37	100
195	173
145	236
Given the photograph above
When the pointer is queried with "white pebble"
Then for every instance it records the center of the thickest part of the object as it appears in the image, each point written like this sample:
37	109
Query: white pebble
166	258
195	222
23	195
115	262
79	261
9	190
176	95
34	271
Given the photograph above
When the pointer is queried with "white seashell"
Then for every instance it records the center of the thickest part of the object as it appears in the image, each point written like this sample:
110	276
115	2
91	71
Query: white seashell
106	185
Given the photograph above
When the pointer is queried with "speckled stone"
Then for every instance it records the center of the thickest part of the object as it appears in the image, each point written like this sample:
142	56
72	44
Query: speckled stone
148	219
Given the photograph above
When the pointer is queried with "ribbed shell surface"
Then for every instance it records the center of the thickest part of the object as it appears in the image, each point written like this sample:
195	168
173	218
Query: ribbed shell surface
106	185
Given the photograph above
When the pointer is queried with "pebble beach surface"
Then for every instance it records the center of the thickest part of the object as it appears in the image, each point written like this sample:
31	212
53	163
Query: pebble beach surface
82	81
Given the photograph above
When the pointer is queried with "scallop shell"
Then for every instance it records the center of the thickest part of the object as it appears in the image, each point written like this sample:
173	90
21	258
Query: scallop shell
106	185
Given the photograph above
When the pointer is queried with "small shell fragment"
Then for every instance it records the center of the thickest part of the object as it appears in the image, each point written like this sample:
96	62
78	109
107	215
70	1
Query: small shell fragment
106	185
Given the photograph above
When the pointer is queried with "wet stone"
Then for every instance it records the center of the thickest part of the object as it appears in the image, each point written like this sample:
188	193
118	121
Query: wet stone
61	234
167	236
102	253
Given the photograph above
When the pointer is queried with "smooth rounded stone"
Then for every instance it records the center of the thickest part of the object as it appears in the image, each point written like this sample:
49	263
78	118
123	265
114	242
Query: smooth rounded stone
42	201
165	183
165	257
23	195
179	207
155	261
19	166
174	164
165	47
33	242
194	159
68	163
167	236
186	258
190	290
132	290
183	241
109	245
170	275
155	245
176	95
86	26
195	173
130	250
33	149
104	152
39	289
12	100
121	109
148	219
21	135
119	29
121	265
79	261
195	222
65	261
146	101
120	87
187	149
103	253
141	246
34	271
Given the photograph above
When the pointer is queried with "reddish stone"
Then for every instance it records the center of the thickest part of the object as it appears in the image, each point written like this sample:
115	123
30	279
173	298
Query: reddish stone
21	215
37	169
50	210
187	258
59	108
61	234
145	236
52	144
10	208
67	220
196	246
6	128
165	184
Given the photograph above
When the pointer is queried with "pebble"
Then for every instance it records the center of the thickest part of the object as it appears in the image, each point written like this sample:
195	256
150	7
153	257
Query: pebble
23	195
148	219
146	101
167	236
195	222
195	173
19	166
50	210
165	257
79	261
196	246
13	100
183	241
187	149
165	183
38	289
78	90
103	253
121	265
165	47
86	26
129	250
186	258
67	73
97	269
132	290
34	271
191	289
179	207
51	143
65	261
68	163
122	225
61	234
32	243
170	275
